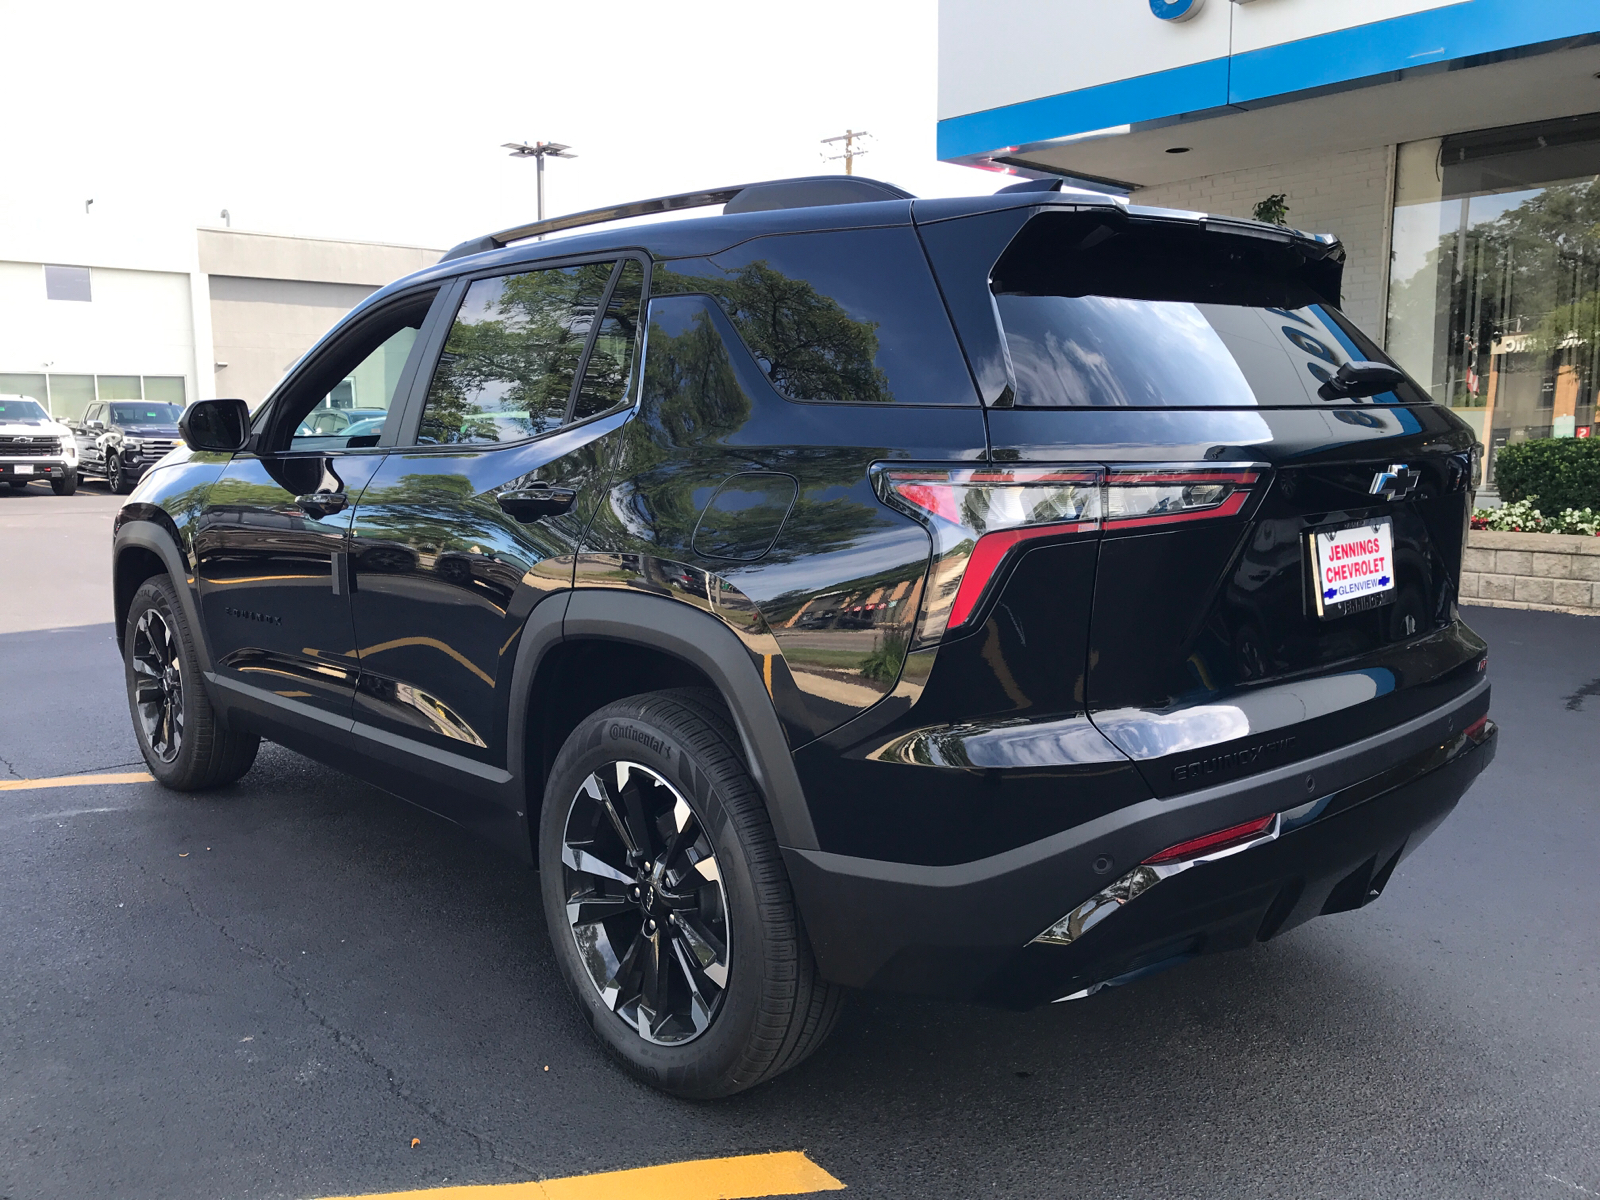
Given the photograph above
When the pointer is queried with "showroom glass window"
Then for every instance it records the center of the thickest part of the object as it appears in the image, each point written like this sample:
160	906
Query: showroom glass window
1494	296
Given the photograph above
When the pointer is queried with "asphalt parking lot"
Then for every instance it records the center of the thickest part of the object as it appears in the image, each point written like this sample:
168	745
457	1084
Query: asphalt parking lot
273	989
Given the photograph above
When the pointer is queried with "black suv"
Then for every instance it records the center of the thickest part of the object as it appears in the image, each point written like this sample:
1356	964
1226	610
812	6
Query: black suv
845	590
121	439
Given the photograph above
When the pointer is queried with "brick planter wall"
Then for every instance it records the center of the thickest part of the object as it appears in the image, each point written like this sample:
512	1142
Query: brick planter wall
1555	572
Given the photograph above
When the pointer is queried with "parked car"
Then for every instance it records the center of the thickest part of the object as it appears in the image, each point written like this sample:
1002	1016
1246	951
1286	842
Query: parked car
1161	553
32	446
122	439
339	420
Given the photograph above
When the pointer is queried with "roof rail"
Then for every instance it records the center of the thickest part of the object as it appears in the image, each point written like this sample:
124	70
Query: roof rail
805	192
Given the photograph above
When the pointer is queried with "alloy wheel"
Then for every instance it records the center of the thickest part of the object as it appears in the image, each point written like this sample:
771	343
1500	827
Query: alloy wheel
158	685
114	474
646	903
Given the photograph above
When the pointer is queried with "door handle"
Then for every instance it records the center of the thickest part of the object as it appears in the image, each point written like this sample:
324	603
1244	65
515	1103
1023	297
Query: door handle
541	500
320	504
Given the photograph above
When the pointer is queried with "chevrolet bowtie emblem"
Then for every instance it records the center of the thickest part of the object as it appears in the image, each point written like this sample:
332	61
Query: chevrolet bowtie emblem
1399	480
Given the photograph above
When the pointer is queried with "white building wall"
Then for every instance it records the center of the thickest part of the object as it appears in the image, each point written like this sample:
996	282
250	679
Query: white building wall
136	323
1345	194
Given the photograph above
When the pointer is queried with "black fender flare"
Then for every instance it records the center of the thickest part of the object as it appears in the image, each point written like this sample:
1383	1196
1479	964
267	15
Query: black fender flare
146	533
614	614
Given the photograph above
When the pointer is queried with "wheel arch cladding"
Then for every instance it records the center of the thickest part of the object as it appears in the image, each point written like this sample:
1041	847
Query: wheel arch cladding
692	646
141	549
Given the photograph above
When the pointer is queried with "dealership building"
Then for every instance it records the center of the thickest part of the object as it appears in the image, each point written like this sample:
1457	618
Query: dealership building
1453	147
93	309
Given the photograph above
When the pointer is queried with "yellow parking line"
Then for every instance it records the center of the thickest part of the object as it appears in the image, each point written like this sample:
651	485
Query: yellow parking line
23	785
789	1173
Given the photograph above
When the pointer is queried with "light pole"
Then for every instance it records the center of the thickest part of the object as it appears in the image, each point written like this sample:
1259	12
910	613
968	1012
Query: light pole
539	150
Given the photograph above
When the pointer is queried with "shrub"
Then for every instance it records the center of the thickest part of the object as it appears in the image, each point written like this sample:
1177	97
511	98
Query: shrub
1562	472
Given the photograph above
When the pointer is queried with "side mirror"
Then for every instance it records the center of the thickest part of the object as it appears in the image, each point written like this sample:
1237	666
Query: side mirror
1361	379
217	425
97	424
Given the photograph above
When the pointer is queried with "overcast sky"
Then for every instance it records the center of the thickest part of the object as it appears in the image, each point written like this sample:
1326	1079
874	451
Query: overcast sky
384	121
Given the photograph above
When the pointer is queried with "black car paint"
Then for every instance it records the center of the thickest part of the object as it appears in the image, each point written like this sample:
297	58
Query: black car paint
894	793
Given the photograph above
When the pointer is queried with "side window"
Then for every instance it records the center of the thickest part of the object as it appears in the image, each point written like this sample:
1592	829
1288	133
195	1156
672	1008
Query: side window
344	402
845	317
511	357
94	414
609	375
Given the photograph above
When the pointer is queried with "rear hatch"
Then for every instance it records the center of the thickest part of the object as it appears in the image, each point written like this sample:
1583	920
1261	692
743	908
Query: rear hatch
1279	558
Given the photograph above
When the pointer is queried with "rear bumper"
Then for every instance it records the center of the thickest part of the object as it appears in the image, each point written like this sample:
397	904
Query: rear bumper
967	931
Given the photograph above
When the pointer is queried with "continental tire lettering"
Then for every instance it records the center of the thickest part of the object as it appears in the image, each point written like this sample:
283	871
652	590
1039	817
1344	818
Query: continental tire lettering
1232	760
617	731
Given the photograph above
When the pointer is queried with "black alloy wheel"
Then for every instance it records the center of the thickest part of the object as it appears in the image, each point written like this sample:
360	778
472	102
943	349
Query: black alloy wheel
668	904
118	477
184	744
158	685
645	902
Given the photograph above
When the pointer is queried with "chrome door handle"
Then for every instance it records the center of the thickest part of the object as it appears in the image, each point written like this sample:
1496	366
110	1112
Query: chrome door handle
541	500
320	504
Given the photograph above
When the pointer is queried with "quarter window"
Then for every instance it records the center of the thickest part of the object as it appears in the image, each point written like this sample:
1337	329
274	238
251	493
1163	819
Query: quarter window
609	374
511	358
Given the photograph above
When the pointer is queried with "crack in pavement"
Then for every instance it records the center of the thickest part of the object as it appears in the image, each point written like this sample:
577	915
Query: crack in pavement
349	1041
14	772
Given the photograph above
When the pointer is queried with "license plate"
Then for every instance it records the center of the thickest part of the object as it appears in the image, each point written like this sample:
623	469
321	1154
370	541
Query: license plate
1354	567
23	468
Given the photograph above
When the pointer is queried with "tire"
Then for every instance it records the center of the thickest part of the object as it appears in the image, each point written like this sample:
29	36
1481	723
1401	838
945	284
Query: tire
716	882
182	742
66	485
121	483
18	485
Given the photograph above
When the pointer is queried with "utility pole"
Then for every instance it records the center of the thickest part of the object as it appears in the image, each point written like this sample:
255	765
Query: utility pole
539	150
848	137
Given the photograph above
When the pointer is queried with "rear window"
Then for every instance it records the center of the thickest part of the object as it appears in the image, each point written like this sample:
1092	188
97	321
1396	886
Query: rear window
1101	313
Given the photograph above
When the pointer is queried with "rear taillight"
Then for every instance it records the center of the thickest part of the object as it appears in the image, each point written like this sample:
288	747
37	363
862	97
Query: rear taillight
1167	495
981	517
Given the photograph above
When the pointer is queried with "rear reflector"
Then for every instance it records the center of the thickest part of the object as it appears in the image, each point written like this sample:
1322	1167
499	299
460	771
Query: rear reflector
1478	730
1210	843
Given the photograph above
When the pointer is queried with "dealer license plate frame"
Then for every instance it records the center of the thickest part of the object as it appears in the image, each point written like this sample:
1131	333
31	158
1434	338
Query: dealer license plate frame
1330	610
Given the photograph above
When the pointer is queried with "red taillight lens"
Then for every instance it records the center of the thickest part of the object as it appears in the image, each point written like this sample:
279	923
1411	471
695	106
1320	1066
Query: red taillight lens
977	517
1212	842
1168	495
980	516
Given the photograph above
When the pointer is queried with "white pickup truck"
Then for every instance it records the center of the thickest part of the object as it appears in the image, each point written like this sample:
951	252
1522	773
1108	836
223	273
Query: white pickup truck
32	446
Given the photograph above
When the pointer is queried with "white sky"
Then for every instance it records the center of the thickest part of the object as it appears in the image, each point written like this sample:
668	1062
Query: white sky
384	122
